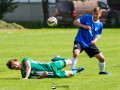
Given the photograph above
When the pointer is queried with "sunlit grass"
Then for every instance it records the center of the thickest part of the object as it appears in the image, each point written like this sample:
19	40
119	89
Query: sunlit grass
43	44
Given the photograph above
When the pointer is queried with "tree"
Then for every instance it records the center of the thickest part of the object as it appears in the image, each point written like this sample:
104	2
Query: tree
7	6
45	11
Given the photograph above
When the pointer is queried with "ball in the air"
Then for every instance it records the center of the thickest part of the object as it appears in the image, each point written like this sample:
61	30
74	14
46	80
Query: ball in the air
52	21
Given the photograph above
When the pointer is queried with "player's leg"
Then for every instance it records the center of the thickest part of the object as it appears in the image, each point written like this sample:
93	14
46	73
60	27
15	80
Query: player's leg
57	58
76	51
59	65
73	72
74	58
68	62
93	51
101	63
70	73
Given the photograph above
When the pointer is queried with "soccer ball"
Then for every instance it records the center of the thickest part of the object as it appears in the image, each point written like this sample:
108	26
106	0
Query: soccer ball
52	21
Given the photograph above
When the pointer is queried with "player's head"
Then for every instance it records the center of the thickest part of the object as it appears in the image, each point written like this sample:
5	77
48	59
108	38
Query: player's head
13	64
97	12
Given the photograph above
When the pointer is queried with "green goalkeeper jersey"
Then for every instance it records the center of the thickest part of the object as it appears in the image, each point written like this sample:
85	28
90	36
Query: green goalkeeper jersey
53	67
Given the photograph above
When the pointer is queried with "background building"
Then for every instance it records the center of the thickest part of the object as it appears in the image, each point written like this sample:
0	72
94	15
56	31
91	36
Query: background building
29	10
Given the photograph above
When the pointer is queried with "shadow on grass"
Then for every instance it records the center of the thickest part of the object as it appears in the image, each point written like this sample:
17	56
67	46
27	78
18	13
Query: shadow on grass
9	78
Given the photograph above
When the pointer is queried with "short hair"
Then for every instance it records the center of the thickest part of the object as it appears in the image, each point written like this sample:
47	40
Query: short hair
9	63
97	9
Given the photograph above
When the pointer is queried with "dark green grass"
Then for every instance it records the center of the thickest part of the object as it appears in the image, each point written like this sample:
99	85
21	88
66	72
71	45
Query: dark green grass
44	44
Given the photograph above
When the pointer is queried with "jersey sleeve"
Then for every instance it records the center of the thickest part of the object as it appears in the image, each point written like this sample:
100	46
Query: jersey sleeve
83	19
23	73
24	60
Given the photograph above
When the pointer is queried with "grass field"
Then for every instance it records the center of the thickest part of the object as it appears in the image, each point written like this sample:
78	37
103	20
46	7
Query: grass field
43	44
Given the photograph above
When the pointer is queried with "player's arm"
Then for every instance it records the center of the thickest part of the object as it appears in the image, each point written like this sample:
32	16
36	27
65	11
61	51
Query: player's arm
28	69
78	24
95	39
44	74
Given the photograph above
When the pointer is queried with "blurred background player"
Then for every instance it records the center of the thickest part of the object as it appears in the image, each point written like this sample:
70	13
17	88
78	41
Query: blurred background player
33	69
90	29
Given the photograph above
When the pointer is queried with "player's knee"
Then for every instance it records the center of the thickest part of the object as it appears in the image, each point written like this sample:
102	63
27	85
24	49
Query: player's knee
69	73
102	59
68	62
75	55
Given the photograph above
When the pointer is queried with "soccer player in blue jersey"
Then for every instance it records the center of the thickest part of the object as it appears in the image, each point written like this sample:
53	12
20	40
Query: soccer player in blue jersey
34	69
90	29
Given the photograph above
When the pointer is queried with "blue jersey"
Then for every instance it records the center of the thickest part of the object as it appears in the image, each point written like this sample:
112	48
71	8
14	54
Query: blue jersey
85	37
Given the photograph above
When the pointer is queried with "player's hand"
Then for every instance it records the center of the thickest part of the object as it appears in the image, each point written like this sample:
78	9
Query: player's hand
24	78
87	27
93	42
43	75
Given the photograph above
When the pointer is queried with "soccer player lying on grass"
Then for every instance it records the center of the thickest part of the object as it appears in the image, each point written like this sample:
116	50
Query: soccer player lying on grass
33	69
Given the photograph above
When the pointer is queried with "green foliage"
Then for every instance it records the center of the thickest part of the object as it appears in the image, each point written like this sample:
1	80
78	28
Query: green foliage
7	6
43	44
5	25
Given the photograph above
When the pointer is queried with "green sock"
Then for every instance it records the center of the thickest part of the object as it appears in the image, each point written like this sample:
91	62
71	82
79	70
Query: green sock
74	72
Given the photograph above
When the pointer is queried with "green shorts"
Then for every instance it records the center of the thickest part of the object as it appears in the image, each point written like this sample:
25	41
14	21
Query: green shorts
56	67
